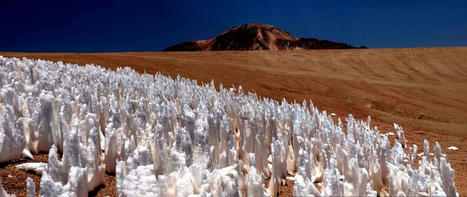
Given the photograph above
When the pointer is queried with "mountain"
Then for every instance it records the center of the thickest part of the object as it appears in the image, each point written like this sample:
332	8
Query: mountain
257	37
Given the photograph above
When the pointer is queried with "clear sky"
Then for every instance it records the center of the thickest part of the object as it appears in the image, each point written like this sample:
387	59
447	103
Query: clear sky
115	25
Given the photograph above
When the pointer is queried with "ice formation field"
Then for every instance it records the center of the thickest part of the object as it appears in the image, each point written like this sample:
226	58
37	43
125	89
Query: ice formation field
166	137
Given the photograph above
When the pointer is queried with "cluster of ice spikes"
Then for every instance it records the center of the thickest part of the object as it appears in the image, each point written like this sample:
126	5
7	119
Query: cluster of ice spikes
166	137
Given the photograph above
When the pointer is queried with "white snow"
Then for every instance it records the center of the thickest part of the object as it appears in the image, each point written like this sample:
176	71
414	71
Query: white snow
254	183
27	154
76	184
174	137
37	167
291	178
453	148
12	140
30	188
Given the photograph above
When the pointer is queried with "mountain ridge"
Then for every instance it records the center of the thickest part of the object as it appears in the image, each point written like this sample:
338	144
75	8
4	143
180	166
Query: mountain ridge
257	37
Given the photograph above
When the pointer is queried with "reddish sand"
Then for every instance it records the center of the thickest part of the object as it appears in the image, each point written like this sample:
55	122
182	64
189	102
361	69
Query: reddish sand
422	89
14	180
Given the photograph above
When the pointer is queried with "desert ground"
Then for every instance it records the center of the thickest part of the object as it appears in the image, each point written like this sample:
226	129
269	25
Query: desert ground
422	89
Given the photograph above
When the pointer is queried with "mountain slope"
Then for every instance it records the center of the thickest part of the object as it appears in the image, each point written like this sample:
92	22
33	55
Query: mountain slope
256	37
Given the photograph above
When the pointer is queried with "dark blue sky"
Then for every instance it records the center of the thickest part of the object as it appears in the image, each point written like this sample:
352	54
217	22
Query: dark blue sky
106	25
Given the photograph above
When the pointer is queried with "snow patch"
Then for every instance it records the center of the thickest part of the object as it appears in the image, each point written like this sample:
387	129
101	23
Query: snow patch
38	167
174	137
453	148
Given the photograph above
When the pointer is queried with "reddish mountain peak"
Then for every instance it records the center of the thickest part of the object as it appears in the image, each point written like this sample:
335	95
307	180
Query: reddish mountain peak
256	37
